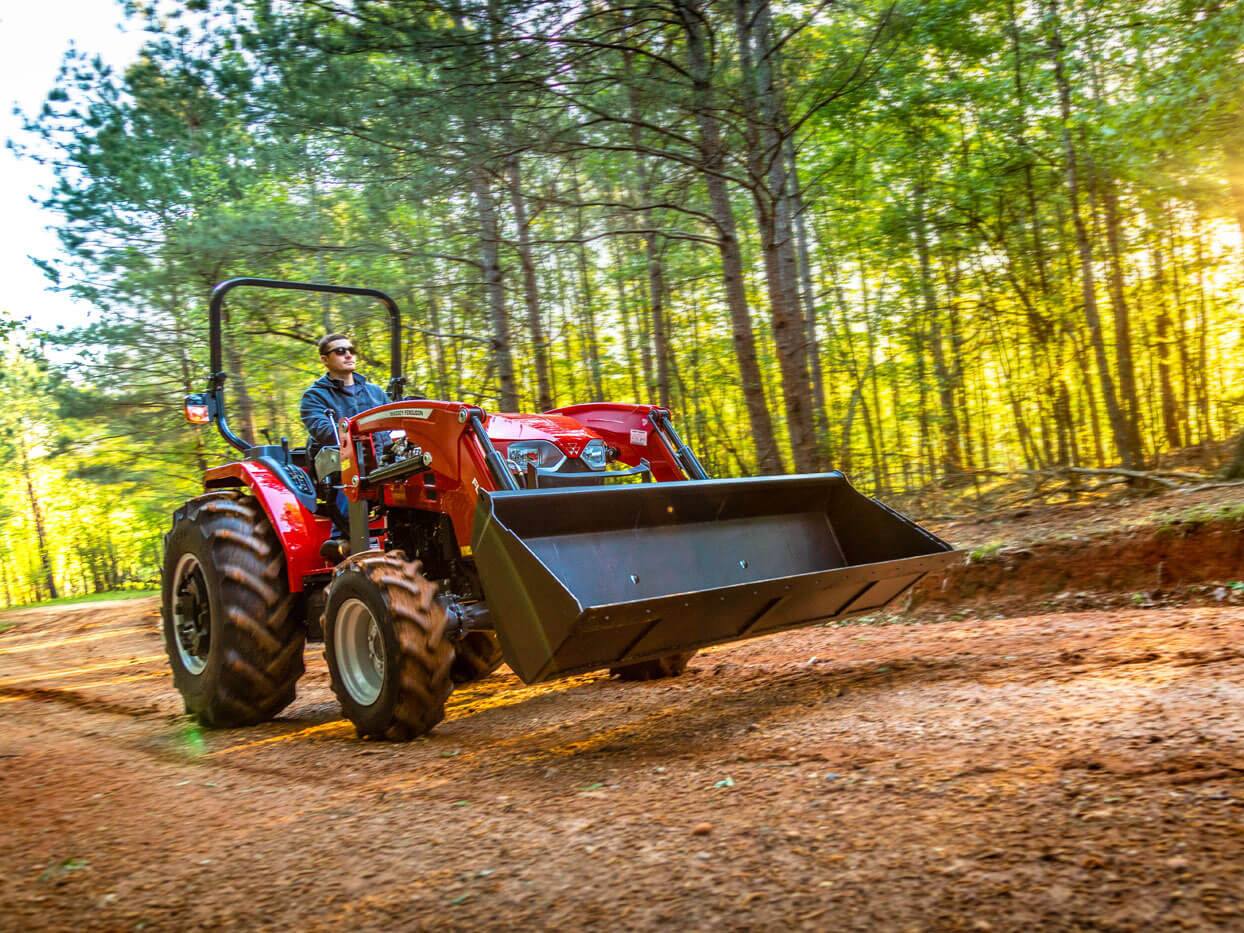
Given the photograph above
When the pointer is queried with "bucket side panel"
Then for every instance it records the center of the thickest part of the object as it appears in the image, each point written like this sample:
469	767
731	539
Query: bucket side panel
869	532
532	613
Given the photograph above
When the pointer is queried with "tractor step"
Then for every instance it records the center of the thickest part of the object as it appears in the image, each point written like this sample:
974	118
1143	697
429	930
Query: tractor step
580	579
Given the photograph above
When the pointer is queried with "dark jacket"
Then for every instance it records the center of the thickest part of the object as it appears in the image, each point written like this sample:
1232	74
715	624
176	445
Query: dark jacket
343	400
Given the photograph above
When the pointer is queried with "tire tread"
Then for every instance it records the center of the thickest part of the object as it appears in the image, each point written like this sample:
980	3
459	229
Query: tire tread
263	645
420	626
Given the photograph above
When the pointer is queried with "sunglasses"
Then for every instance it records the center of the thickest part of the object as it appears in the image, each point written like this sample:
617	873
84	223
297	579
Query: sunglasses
340	351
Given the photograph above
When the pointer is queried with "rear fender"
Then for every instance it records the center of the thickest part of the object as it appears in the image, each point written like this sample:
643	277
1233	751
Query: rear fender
301	531
629	428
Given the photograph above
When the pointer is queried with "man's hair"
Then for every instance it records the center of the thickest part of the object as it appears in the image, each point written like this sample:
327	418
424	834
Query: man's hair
326	340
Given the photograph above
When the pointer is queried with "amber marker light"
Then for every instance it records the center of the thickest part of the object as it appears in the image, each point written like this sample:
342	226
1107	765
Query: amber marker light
196	411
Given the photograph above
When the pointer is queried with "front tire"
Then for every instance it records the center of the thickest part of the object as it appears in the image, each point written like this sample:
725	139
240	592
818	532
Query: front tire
388	648
234	645
671	665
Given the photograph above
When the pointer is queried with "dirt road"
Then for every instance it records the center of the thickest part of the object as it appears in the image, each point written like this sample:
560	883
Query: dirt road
1063	770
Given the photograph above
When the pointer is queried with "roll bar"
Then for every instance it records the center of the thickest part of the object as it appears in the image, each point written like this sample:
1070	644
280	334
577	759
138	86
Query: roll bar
216	382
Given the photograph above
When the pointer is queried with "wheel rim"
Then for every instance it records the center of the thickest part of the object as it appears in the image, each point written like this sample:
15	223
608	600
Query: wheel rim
358	644
192	614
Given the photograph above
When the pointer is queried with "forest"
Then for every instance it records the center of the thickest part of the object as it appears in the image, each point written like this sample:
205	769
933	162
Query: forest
931	243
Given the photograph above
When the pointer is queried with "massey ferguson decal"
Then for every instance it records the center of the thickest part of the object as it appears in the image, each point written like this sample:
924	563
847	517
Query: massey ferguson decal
421	413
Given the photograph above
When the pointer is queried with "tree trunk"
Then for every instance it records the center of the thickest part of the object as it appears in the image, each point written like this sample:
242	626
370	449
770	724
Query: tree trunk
1233	153
36	511
1203	374
770	191
586	311
436	345
1128	395
1021	103
531	291
326	318
1118	426
820	410
1186	374
660	336
860	376
713	157
643	323
490	264
952	456
1162	348
1065	426
624	312
1090	412
652	251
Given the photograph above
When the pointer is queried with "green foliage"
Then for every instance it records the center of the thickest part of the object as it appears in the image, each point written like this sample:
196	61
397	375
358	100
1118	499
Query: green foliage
985	552
134	592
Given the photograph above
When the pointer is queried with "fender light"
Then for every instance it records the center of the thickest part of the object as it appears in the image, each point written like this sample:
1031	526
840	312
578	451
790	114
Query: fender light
197	410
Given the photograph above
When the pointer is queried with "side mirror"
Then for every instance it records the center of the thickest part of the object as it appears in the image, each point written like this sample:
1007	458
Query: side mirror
197	409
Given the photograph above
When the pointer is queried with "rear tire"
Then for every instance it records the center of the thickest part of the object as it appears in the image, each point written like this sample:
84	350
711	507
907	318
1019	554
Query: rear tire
233	642
387	645
476	655
671	665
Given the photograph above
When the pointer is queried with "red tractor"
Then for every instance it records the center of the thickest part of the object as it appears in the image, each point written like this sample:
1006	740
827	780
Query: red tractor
582	538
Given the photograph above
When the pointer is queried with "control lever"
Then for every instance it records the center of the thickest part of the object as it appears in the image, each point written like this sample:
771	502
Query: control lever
332	419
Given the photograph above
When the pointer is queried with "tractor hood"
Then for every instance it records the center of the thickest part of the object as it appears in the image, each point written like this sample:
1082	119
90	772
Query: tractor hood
568	435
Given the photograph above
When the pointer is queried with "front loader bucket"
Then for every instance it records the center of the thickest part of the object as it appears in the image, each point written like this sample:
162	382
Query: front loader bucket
579	579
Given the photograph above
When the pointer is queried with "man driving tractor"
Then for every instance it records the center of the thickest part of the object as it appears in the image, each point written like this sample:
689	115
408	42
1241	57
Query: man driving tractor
339	393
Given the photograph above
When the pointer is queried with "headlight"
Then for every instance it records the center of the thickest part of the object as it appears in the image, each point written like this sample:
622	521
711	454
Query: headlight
595	454
543	454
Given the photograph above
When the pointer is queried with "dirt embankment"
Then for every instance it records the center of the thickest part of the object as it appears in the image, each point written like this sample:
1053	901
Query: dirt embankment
1178	561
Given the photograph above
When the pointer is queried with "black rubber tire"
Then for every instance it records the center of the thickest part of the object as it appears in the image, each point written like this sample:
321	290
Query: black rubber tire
254	657
476	655
658	668
414	631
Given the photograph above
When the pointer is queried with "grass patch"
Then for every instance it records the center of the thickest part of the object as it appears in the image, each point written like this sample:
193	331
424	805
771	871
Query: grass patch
59	869
984	552
885	617
1228	513
1203	515
113	596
